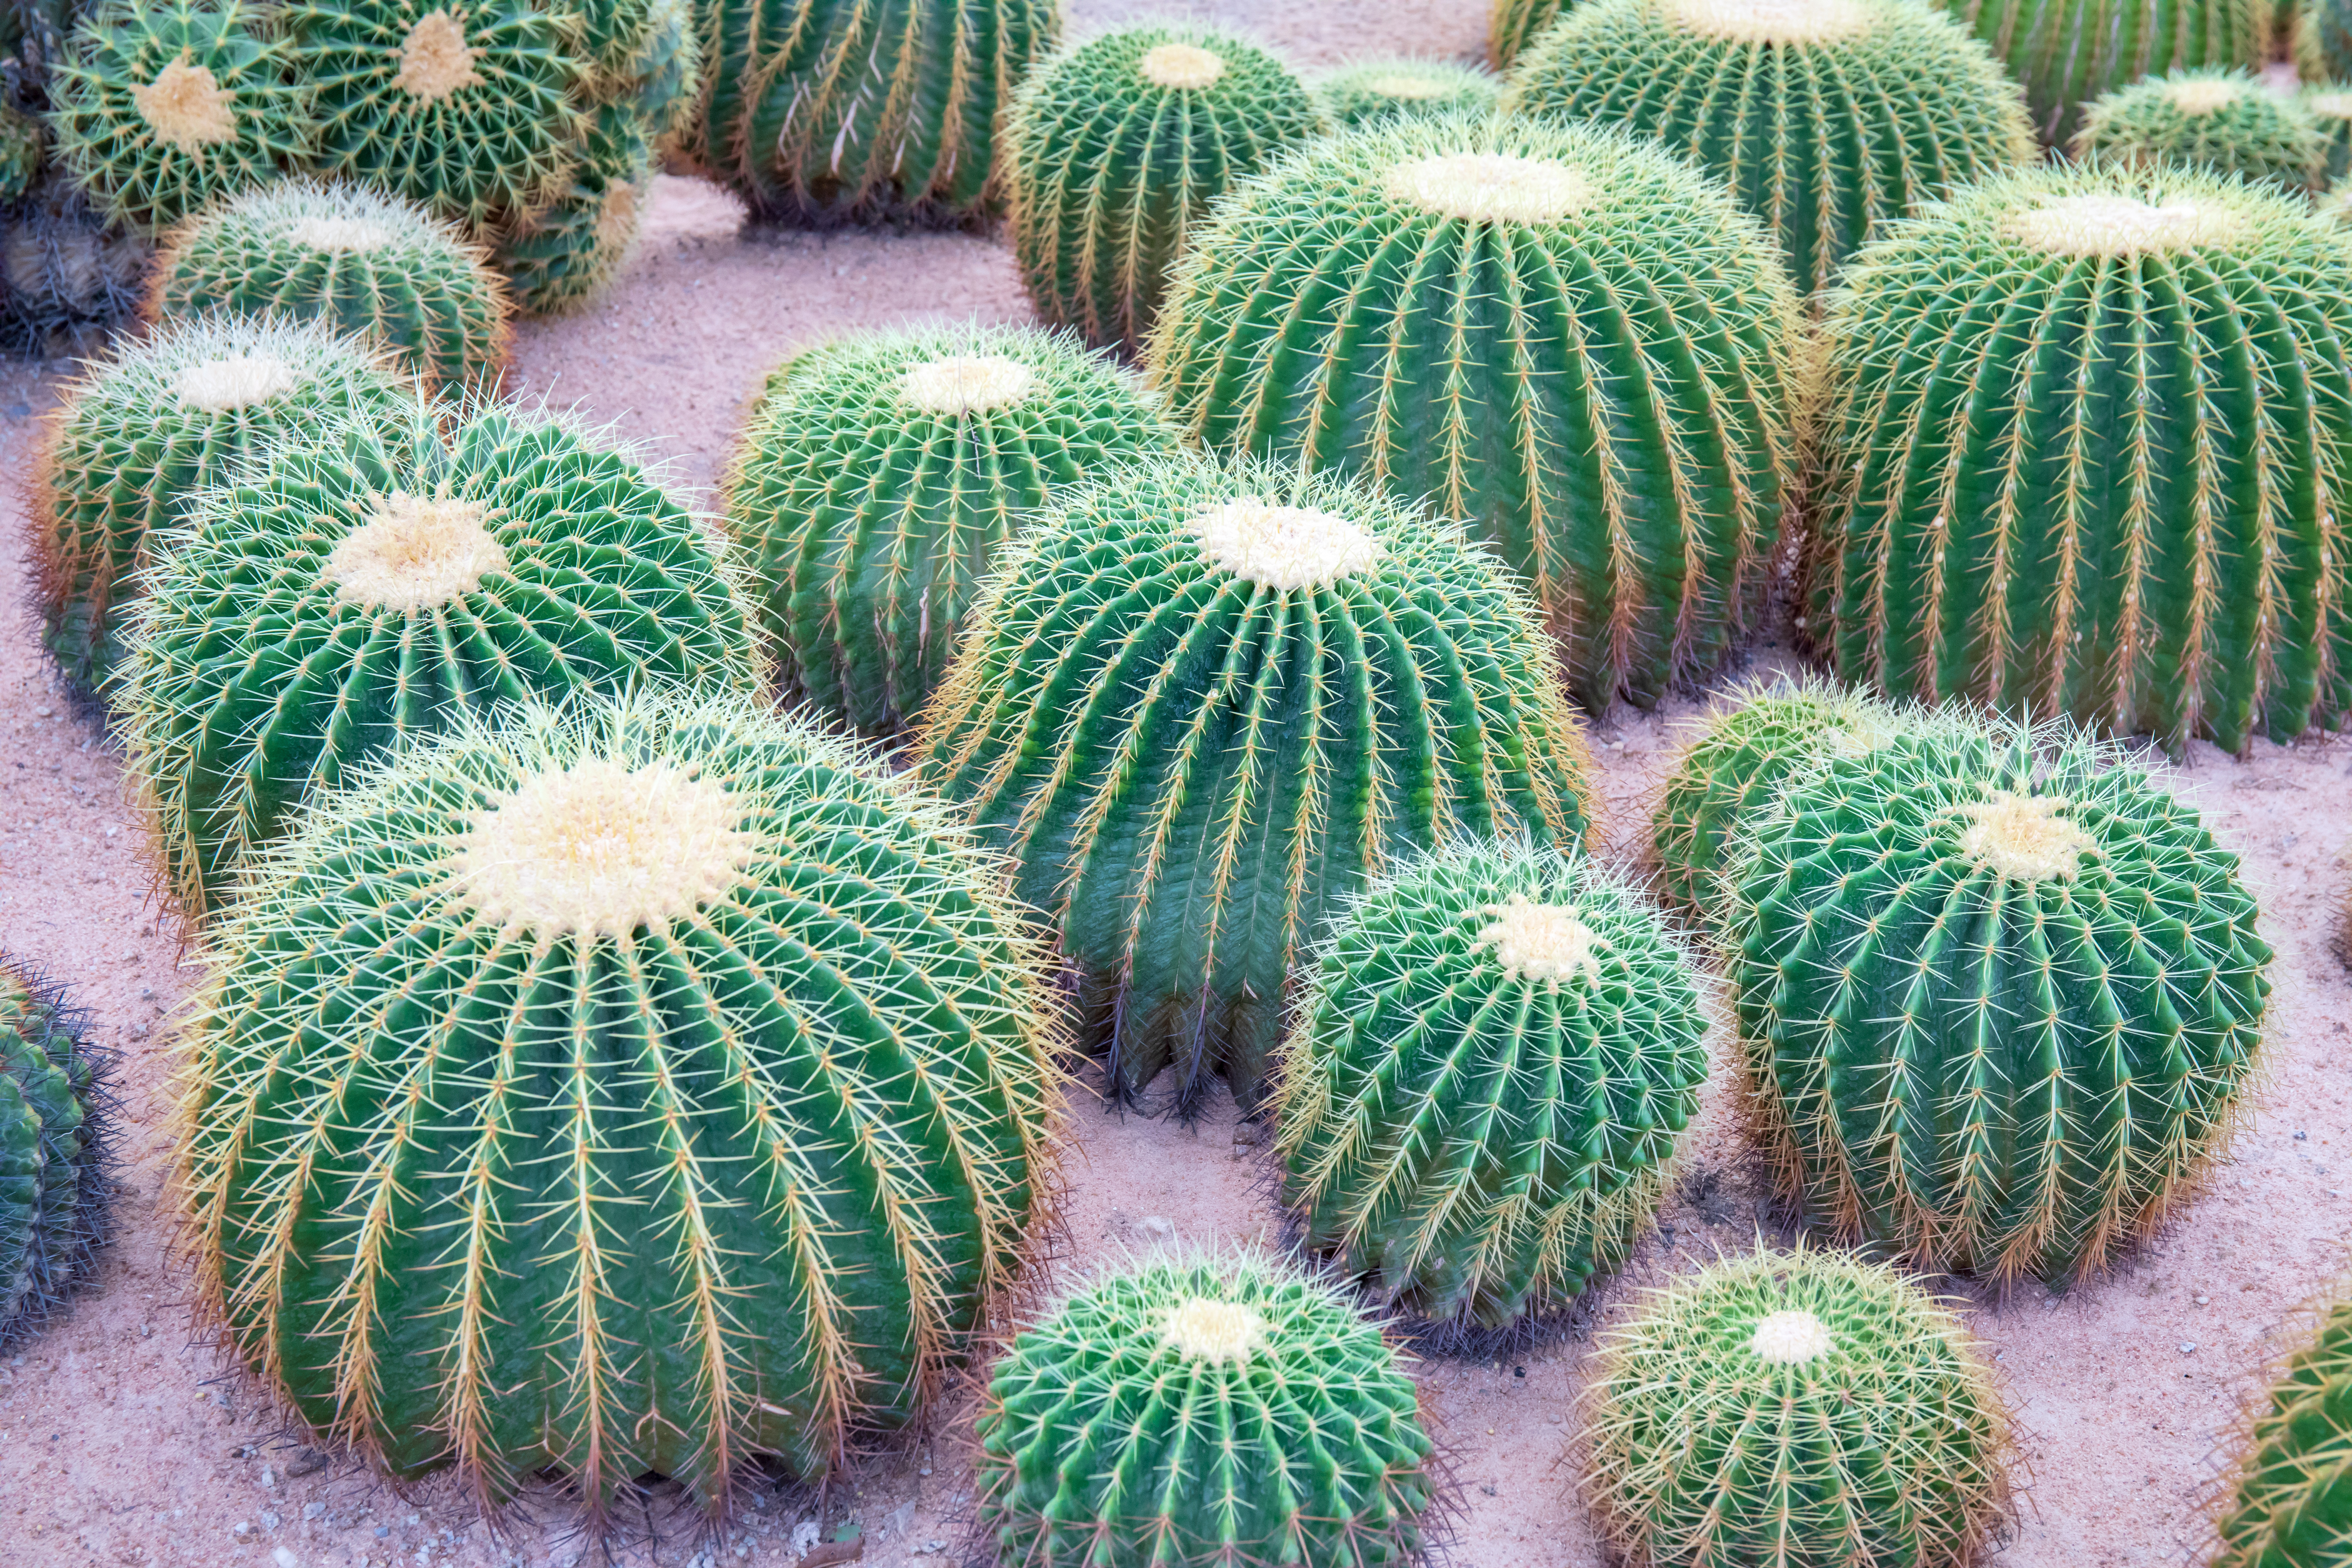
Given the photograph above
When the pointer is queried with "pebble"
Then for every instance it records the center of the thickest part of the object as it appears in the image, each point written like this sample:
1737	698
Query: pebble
285	1559
2188	1347
241	1528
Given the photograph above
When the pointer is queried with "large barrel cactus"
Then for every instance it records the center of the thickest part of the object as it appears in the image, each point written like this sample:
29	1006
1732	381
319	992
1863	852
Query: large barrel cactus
368	585
1372	92
845	110
1825	117
1197	1413
56	1142
2068	52
1480	1094
1997	999
2045	484
878	477
2223	120
1559	333
1202	702
2290	1502
650	1084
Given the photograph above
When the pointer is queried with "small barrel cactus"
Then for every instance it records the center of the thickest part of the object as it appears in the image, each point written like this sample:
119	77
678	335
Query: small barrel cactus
1115	149
1481	1089
2330	108
55	1138
2222	119
559	259
1197	1413
2289	1504
1372	92
1826	118
2065	53
1808	1410
1998	998
1620	433
165	106
366	587
137	438
847	111
650	1084
370	264
2043	485
880	474
1202	702
1514	25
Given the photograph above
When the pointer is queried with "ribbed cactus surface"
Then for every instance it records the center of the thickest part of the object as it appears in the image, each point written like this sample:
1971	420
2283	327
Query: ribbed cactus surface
1202	702
1199	1413
1806	1411
651	1084
2330	108
1826	118
879	475
1513	25
559	259
1372	92
2290	1504
1998	1000
367	586
1493	1051
1560	334
2221	120
2045	485
2067	53
54	1151
1115	149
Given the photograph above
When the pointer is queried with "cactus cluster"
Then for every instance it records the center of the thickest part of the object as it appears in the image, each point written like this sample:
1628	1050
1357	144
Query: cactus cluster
2067	53
878	477
2221	120
1201	702
1556	332
649	1084
1372	92
55	1148
2289	1504
1479	1098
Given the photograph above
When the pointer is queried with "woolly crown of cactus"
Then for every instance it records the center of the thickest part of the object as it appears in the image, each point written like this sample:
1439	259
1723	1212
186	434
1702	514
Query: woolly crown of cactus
1371	92
2067	53
56	1150
2221	120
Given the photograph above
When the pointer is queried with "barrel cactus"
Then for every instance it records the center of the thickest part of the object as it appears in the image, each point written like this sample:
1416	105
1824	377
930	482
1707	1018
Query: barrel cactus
1825	117
1515	24
1808	1410
2289	1504
1203	701
136	439
1999	998
627	1085
2330	108
1481	1090
2044	486
369	264
2065	53
879	475
2323	41
372	585
2223	120
55	1148
847	111
662	76
1620	433
23	149
1372	92
1115	148
559	259
1197	1412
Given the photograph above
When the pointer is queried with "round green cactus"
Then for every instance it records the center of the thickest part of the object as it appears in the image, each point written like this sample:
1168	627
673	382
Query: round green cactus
1826	118
560	259
2067	53
1202	702
1197	1412
1513	25
879	475
54	1154
1806	1409
1480	1091
663	74
137	438
363	588
2330	108
1372	92
1115	148
2290	1499
2222	119
2043	484
165	106
22	151
651	1084
1997	999
369	264
847	111
1620	432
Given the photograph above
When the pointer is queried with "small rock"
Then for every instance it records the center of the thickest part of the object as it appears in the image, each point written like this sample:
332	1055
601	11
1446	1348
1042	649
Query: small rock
285	1559
241	1528
268	1476
2189	1347
2300	1135
2204	1301
804	1536
1155	1228
305	1462
270	1522
314	1511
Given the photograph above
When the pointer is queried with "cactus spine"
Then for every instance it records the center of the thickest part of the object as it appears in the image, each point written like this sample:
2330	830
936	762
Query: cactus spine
2222	119
1514	25
55	1151
2290	1502
1372	92
2069	52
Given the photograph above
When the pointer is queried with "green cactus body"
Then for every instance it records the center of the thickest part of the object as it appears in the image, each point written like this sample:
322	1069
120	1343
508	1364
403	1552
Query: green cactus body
1202	702
164	108
2068	52
879	475
1117	147
137	438
2323	40
2222	119
1480	1092
1808	1411
1998	1002
2045	484
833	110
367	263
473	111
1198	1414
363	588
1558	333
1514	25
560	259
1372	92
2330	108
1826	118
54	1140
640	1085
20	153
62	266
2290	1502
663	76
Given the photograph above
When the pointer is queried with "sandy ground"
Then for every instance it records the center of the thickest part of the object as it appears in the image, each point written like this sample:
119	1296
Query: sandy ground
123	1442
